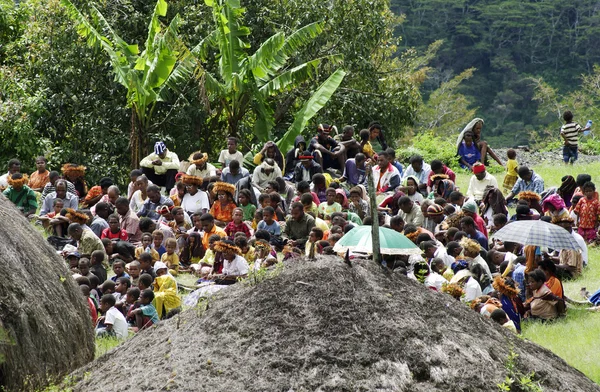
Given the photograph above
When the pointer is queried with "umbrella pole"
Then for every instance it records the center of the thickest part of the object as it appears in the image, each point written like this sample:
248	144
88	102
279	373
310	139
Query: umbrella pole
374	216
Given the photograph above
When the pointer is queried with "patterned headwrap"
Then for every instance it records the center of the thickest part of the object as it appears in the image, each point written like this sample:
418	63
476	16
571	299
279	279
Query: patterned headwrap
159	148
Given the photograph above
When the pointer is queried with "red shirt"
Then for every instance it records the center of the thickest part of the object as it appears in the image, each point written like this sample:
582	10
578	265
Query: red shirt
232	228
121	235
446	170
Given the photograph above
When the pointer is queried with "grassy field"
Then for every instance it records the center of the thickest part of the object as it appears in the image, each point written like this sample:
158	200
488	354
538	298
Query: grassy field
574	337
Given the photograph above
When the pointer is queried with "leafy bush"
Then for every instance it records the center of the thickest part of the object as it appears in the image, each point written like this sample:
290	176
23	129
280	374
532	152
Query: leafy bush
430	147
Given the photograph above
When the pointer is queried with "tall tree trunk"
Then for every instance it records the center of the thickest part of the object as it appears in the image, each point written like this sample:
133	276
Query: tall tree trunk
135	140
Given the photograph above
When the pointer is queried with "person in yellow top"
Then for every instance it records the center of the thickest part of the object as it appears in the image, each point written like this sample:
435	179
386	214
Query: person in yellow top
166	298
511	171
367	147
147	247
270	150
170	258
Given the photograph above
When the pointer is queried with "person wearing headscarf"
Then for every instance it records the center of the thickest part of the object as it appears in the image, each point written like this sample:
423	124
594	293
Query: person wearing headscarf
161	166
267	171
475	126
554	206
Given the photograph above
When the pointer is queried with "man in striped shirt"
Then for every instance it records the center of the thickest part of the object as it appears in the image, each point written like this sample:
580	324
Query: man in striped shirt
570	134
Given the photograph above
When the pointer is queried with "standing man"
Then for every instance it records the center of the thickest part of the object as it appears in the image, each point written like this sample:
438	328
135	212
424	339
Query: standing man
161	166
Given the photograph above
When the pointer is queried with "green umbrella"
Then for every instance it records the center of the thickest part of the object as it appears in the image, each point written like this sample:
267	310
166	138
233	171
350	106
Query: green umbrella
391	242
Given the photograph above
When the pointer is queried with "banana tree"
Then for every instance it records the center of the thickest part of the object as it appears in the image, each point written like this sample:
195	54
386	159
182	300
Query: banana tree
145	75
245	82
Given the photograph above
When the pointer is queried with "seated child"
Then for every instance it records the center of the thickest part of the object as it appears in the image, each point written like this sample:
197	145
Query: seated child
234	265
248	252
333	238
365	143
237	225
258	216
147	247
94	283
121	286
98	268
133	269
204	267
166	298
499	316
320	187
85	290
146	315
119	270
275	202
157	240
269	223
308	204
107	287
55	223
244	198
131	303
312	247
264	200
192	250
84	267
170	258
329	206
145	281
114	231
112	323
73	261
146	265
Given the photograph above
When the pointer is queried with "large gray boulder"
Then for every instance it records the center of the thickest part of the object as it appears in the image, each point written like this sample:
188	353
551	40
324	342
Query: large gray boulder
45	325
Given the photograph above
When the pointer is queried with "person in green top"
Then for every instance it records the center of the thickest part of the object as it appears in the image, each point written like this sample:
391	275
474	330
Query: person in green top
20	194
376	137
244	203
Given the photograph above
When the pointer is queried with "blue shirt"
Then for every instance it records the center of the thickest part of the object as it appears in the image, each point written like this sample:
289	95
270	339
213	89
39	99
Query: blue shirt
479	237
273	228
518	276
227	176
536	184
469	154
150	311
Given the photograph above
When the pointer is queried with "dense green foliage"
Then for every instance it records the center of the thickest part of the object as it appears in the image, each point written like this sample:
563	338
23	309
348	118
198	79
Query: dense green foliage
509	43
58	96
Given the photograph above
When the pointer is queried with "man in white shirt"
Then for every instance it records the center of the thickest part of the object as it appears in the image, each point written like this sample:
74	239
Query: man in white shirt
231	154
479	181
161	166
113	322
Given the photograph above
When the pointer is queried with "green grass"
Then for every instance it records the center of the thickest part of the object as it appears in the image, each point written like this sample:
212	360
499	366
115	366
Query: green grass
572	338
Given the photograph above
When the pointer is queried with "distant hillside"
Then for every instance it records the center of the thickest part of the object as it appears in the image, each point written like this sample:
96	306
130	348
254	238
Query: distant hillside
508	41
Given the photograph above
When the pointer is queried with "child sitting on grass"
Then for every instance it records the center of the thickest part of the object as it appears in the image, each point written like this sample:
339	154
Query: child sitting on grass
146	315
114	231
248	251
166	299
170	258
309	205
237	225
119	270
147	247
268	222
311	249
121	286
131	303
157	240
146	265
112	323
97	265
330	205
244	203
275	202
204	267
134	272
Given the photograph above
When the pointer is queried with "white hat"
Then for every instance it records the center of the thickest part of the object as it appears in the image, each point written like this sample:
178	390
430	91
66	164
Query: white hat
159	265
